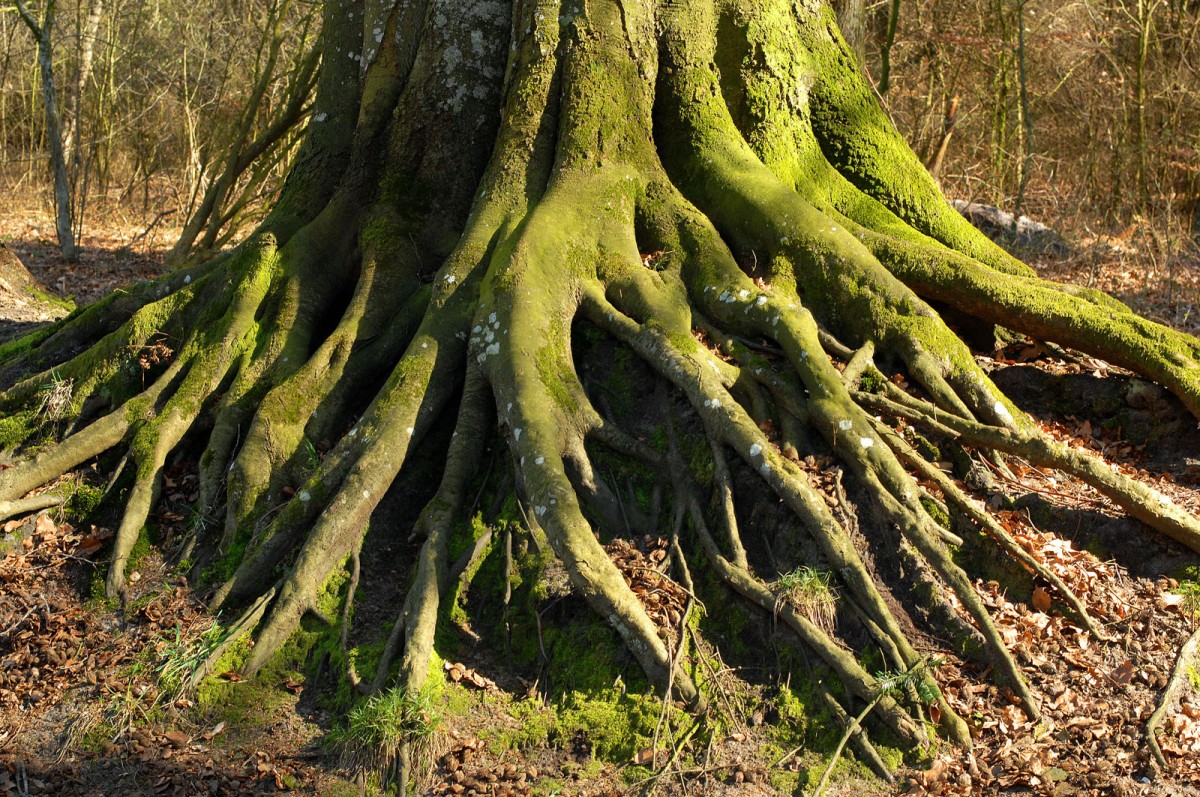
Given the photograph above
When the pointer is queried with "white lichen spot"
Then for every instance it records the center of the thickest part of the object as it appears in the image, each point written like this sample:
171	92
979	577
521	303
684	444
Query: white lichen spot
187	279
491	319
783	241
353	432
492	350
305	496
1002	412
517	433
755	450
509	407
765	469
539	510
424	345
366	493
451	279
742	294
539	461
321	117
866	442
833	229
803	355
409	430
760	301
477	330
845	426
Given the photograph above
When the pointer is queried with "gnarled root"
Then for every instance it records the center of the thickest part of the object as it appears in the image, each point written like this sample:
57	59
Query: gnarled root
725	237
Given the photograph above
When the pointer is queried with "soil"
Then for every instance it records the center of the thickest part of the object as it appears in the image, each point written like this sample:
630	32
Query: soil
87	708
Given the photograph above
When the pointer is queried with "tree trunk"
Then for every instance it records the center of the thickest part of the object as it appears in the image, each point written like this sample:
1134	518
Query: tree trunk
491	204
87	51
852	21
42	33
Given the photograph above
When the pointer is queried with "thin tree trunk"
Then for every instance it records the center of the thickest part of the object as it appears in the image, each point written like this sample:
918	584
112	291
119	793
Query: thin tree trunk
58	163
1025	133
74	104
885	49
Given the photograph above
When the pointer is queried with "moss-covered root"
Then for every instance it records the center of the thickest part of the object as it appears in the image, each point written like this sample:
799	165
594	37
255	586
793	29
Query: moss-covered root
542	410
703	379
1139	500
842	662
958	497
208	357
309	404
435	524
34	503
393	425
420	612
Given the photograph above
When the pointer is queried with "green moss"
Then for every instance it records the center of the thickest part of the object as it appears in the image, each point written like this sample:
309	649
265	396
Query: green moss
871	381
935	511
615	723
536	725
147	538
16	428
82	499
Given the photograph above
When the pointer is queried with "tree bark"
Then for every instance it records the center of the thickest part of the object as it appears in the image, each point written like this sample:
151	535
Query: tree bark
42	33
493	200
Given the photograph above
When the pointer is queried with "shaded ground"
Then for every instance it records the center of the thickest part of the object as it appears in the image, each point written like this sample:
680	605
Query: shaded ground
89	705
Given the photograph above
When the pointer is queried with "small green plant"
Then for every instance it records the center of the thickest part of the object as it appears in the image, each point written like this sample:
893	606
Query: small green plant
54	397
178	658
887	684
312	457
1190	592
378	728
811	592
891	682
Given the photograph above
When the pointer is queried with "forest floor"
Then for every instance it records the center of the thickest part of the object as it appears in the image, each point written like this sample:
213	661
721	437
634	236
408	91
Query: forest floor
87	705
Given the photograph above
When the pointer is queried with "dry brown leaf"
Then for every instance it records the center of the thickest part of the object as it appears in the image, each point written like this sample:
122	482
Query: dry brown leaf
1123	674
45	525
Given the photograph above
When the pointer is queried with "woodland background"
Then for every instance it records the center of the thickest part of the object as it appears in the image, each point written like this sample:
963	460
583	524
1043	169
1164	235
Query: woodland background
1080	114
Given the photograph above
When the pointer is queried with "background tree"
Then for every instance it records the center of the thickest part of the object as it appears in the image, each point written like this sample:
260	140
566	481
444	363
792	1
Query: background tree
490	196
43	34
192	109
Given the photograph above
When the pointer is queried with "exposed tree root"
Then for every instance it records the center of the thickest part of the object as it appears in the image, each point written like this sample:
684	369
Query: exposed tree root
34	503
1179	678
726	227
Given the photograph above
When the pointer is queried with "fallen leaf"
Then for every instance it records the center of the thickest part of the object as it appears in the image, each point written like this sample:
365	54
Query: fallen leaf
1123	674
1041	599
